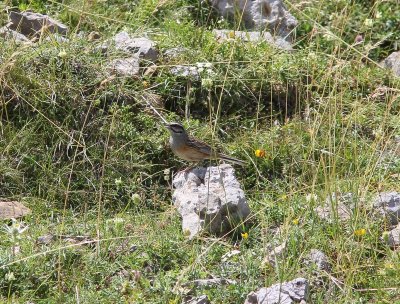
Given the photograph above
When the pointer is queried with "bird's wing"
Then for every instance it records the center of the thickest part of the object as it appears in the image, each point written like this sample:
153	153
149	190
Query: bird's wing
200	146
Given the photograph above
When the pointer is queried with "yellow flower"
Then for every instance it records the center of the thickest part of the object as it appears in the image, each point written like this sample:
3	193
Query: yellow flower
231	34
145	84
245	235
389	265
295	221
259	153
360	232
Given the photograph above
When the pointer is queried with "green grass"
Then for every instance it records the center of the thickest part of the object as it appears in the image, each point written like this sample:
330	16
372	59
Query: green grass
83	152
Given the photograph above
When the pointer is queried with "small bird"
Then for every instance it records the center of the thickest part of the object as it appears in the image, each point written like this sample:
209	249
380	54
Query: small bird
192	149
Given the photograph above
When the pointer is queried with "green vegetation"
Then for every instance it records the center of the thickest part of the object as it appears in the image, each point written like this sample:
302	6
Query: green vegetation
82	150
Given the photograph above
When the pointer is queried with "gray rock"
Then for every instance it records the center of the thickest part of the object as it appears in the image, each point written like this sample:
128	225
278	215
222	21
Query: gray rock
282	293
33	24
143	47
269	15
126	67
393	237
209	199
185	71
13	209
226	35
275	254
336	206
392	62
46	239
388	204
319	259
10	34
198	300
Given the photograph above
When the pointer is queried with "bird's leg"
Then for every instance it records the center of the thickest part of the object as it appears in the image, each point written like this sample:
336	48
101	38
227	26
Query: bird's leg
187	169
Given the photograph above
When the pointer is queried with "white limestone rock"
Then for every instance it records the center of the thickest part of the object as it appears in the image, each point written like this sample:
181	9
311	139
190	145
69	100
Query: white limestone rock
392	62
142	46
319	259
10	34
270	15
388	204
338	206
393	237
126	67
209	199
282	293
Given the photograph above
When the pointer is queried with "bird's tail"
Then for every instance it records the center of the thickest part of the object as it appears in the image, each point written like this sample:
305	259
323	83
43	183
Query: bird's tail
232	160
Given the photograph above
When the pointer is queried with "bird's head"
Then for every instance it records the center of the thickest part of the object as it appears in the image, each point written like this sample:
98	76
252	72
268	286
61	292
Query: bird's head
176	129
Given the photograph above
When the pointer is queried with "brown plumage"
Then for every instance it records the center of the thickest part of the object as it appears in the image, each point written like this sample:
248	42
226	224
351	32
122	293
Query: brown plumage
192	149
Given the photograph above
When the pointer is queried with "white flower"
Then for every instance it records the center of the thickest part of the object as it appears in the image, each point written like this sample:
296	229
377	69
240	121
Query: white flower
200	70
10	276
368	22
62	54
207	83
116	220
167	173
16	229
118	181
135	198
329	36
208	65
378	15
311	197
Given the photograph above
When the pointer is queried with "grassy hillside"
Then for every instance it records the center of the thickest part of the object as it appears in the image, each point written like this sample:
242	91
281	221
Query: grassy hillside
85	153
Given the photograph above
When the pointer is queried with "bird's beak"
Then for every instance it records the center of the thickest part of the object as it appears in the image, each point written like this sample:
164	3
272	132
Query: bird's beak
167	126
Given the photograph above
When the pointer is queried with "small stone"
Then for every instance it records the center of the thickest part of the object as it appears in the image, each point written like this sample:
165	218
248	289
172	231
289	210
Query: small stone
10	34
336	206
12	209
388	204
319	259
142	46
294	291
274	254
34	24
46	239
150	70
393	237
392	62
198	300
126	67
